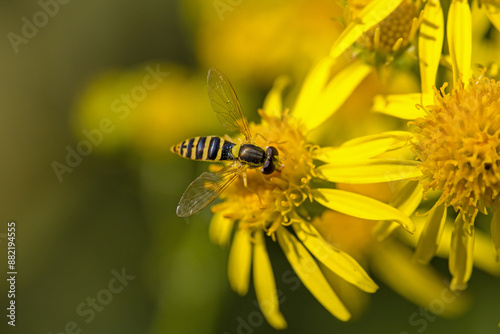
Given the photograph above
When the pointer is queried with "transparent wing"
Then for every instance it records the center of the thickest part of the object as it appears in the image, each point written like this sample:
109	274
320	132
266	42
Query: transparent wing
206	188
225	103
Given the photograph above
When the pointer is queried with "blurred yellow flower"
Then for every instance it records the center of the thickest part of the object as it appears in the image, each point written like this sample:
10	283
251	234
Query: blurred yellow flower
260	40
492	8
145	106
485	44
278	205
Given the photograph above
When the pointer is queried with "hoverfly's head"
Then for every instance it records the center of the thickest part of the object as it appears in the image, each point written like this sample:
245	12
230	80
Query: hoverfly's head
271	162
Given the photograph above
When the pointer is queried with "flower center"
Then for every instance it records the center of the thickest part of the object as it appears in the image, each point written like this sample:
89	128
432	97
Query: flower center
272	200
458	143
395	32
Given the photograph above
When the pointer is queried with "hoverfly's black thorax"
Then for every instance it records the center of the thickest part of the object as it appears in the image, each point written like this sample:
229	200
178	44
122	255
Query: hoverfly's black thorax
252	155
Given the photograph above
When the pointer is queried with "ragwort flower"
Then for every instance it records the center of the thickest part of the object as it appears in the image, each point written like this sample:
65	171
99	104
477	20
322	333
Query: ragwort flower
388	27
456	139
386	38
380	32
458	144
278	205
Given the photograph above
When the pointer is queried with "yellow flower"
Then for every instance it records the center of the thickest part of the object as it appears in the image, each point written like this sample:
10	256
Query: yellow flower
456	140
386	28
393	34
383	28
462	160
383	32
283	204
458	144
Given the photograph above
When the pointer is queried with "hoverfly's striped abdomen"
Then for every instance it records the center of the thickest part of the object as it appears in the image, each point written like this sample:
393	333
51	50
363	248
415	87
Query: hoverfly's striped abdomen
208	148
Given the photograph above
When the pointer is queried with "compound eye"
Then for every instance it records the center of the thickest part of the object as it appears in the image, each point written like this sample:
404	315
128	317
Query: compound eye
268	166
271	154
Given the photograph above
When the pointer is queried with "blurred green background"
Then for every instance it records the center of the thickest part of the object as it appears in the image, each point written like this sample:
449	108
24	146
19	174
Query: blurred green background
114	213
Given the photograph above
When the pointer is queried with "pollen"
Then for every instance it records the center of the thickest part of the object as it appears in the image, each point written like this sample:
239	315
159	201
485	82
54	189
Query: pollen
269	201
395	32
458	143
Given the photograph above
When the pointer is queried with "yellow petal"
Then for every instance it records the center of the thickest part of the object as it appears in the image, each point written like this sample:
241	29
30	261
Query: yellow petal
485	254
402	105
334	259
383	229
312	87
265	286
314	108
356	300
495	232
273	104
337	91
493	13
220	229
361	206
309	273
422	285
376	11
460	39
406	200
461	255
485	257
371	171
430	44
431	234
363	148
240	257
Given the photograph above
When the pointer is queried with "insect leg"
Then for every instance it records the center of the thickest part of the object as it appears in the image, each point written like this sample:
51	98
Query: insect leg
245	184
267	142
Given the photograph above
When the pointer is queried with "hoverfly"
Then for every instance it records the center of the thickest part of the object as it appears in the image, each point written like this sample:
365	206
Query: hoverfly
208	186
